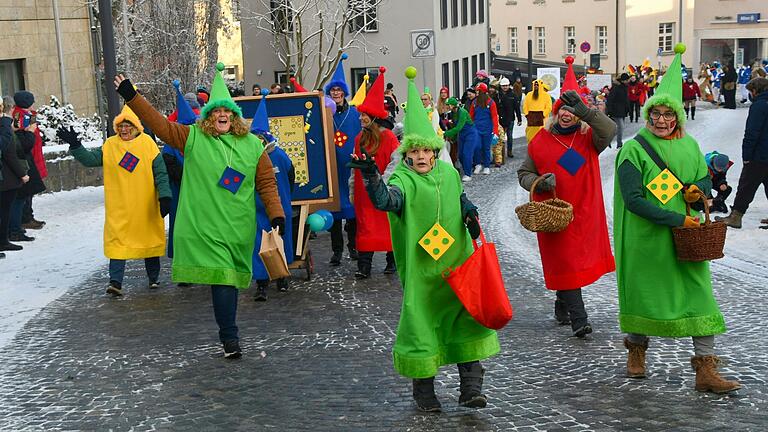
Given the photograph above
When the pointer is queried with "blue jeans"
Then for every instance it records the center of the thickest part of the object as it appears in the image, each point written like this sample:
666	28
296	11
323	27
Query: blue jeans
224	298
117	269
17	208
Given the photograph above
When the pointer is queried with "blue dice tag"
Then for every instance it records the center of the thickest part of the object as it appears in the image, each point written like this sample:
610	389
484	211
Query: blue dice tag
129	162
231	180
571	161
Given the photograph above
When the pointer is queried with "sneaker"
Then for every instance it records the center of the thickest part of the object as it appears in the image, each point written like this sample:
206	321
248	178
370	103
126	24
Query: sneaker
478	168
282	284
232	350
115	288
335	259
154	285
10	247
20	237
466	178
33	224
583	331
261	294
486	170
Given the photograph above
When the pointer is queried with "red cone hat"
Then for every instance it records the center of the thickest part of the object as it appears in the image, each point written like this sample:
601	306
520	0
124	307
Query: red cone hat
569	83
297	87
373	105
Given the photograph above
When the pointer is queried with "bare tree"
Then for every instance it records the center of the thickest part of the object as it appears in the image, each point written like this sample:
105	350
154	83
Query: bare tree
161	40
309	36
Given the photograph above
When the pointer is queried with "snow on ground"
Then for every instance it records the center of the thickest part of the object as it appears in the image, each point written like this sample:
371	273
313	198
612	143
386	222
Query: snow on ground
65	252
58	148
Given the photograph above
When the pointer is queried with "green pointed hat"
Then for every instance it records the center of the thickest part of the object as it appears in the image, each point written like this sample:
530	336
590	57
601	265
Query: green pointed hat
220	96
670	90
417	128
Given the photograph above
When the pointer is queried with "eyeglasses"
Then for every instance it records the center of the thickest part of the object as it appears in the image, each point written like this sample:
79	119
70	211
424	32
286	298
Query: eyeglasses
669	115
124	127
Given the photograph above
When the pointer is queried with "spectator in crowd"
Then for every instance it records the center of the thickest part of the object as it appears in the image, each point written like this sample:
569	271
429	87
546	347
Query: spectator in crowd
634	88
691	92
13	173
256	90
275	89
617	105
718	165
509	109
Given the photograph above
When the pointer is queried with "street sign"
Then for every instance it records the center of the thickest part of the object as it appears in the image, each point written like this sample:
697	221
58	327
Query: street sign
585	47
422	43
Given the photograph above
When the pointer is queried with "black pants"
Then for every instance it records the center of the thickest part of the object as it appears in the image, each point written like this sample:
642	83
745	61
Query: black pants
634	110
571	301
722	195
26	213
366	259
337	238
753	175
6	198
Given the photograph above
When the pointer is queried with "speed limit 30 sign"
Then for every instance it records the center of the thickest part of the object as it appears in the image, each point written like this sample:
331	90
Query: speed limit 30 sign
422	43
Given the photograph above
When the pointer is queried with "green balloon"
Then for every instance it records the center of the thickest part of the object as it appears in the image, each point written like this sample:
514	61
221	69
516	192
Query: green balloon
316	222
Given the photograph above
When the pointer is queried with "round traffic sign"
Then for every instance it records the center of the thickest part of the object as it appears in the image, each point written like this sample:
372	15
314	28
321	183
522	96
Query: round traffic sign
585	47
423	41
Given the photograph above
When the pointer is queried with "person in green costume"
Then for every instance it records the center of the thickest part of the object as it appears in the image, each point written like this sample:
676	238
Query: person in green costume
675	299
435	329
224	165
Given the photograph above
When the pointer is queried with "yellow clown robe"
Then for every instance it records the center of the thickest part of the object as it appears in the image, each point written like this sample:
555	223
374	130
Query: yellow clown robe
535	110
135	178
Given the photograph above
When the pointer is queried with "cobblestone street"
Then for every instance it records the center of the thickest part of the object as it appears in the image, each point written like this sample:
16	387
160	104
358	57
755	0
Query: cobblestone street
318	357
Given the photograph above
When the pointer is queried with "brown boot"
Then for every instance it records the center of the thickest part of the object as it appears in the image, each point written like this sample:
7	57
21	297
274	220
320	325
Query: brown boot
707	378
636	358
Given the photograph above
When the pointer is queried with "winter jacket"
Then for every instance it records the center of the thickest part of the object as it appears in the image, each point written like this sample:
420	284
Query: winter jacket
617	105
27	142
691	91
635	90
754	147
509	107
12	169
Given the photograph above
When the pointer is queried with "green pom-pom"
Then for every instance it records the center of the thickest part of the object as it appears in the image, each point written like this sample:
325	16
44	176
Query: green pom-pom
426	90
220	66
679	48
410	72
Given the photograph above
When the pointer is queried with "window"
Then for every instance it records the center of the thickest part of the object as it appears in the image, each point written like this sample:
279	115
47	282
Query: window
443	14
666	36
512	32
359	73
11	76
602	39
281	77
282	16
570	40
364	16
474	63
473	11
464	12
481	11
482	60
465	72
456	83
454	13
446	75
541	40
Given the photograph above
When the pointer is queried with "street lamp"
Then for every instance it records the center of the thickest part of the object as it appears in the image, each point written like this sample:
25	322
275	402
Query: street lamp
530	56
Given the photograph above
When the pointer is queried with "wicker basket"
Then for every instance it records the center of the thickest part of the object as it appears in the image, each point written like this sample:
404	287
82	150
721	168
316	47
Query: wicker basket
551	215
702	243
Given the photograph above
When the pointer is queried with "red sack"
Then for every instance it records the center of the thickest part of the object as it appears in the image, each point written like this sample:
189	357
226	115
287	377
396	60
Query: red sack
480	288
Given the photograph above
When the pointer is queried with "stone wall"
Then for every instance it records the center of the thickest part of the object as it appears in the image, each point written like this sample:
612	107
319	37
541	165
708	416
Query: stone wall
65	173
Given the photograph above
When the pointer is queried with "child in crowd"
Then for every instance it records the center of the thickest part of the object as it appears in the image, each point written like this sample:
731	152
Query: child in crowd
718	165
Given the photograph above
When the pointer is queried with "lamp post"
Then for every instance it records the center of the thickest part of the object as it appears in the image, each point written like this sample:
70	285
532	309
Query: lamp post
110	66
530	57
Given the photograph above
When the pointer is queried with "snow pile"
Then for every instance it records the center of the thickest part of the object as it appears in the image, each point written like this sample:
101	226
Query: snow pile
52	116
65	253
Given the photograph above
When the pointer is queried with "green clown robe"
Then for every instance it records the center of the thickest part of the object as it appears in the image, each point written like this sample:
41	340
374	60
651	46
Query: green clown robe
435	329
211	245
659	295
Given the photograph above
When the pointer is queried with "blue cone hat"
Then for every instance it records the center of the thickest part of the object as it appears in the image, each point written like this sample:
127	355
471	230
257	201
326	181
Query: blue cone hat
185	114
338	79
260	123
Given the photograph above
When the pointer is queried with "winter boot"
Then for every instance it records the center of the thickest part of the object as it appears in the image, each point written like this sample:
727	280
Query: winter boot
687	110
636	358
718	206
335	259
282	284
390	268
561	313
733	220
424	395
261	290
471	385
232	350
693	113
115	288
363	270
353	255
707	378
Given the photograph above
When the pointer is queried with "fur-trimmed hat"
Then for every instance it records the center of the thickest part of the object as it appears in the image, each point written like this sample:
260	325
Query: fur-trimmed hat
220	97
418	131
670	91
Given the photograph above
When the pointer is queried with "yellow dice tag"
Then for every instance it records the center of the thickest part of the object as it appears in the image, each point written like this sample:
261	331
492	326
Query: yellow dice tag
436	241
664	186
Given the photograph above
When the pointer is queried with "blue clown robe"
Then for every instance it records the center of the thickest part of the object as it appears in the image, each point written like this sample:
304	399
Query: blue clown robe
175	188
345	124
283	168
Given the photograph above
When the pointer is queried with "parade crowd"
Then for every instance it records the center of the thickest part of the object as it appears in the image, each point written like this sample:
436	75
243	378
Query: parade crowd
223	183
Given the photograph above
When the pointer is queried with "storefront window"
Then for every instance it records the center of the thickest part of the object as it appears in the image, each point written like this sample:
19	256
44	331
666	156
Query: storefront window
721	50
11	77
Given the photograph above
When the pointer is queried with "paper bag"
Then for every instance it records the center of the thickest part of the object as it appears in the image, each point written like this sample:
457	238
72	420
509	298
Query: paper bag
273	255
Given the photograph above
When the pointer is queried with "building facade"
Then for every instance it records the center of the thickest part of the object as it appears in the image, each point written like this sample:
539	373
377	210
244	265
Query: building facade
29	55
727	29
459	41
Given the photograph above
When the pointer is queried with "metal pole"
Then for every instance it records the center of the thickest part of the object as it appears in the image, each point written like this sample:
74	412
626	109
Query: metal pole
110	66
680	13
528	85
97	70
60	51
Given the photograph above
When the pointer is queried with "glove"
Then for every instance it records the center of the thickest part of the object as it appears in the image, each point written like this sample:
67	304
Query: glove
367	166
69	136
691	222
547	183
126	90
279	223
473	225
165	206
692	194
573	100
